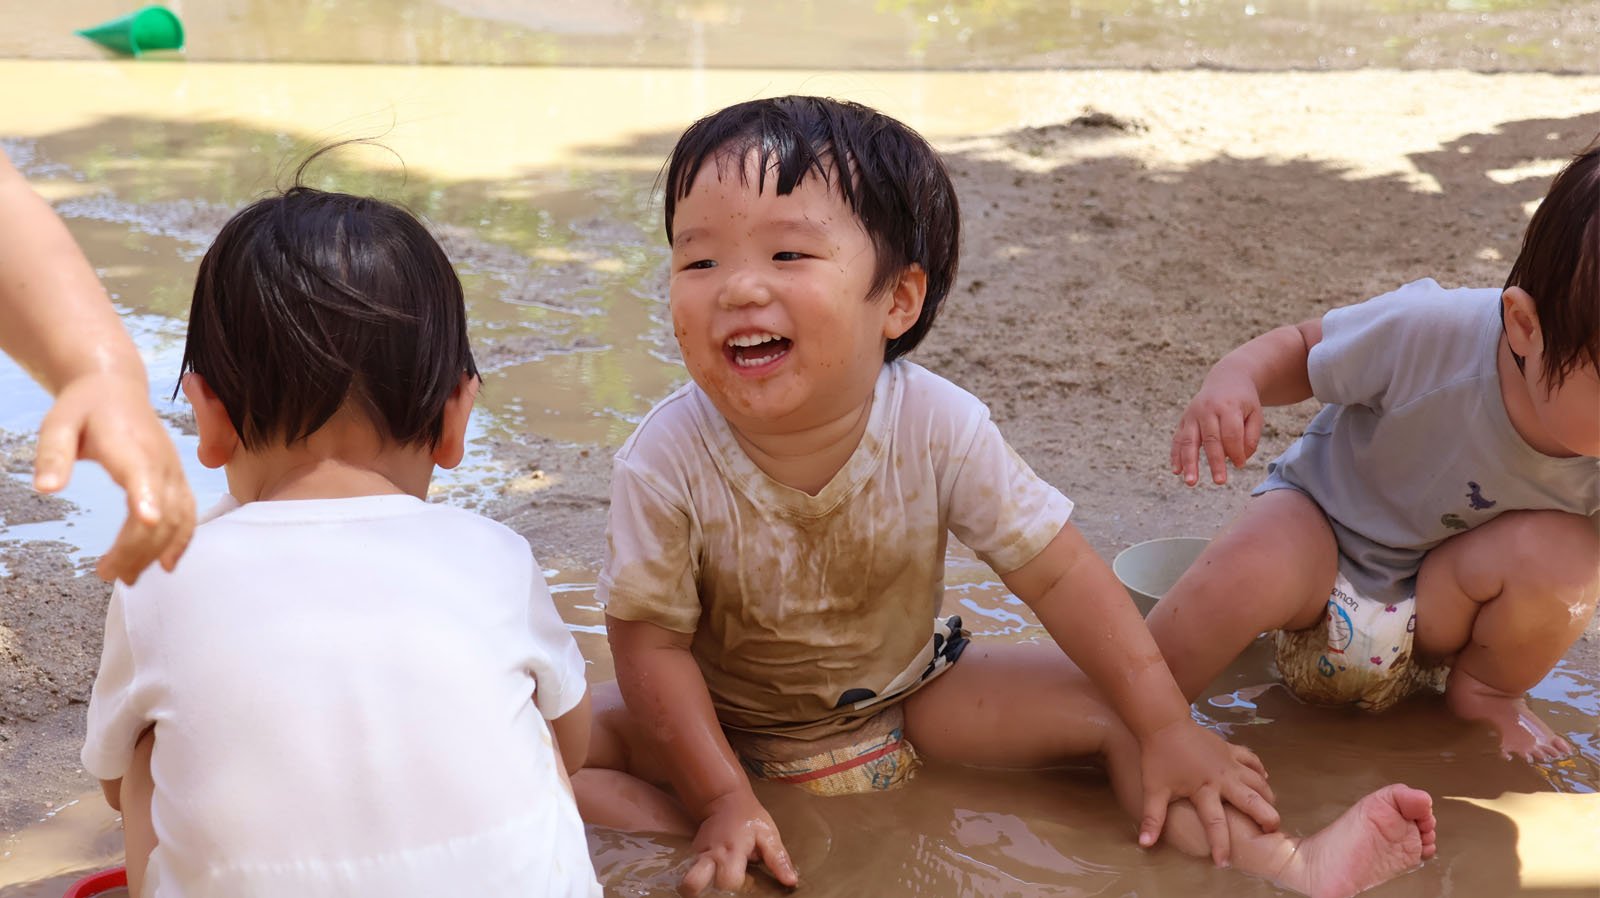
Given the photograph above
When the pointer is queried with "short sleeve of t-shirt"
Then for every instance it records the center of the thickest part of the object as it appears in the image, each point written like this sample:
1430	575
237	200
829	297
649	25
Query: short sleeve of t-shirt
648	575
559	670
999	507
1383	351
120	706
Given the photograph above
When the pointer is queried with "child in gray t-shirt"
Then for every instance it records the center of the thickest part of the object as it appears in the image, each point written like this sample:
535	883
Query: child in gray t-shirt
1436	523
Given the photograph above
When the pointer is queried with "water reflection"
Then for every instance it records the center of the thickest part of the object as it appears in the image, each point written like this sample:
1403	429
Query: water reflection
819	34
566	304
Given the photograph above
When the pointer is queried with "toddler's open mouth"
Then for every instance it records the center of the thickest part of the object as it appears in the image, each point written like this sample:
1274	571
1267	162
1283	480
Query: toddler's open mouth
755	350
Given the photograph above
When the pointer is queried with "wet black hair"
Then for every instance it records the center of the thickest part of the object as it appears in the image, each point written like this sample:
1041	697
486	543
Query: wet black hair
1559	266
309	299
892	180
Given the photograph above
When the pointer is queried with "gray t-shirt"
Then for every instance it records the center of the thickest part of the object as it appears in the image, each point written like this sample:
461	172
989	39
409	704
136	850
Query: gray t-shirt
1414	445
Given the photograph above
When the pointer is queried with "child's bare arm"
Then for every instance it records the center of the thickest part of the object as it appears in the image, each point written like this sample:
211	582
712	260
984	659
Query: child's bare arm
571	732
57	322
113	792
667	695
1085	609
1224	418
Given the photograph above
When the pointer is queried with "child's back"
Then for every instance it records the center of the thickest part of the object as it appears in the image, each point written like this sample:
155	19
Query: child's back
342	689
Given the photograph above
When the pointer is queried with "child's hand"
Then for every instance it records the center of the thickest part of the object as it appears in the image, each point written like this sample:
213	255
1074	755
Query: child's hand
737	831
106	419
1225	419
1185	760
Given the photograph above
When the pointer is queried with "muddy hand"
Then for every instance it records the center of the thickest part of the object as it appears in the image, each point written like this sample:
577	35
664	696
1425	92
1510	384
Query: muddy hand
1185	760
737	831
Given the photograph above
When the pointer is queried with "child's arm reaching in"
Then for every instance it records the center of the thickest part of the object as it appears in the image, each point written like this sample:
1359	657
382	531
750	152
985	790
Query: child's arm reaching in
1224	417
57	322
667	695
1079	601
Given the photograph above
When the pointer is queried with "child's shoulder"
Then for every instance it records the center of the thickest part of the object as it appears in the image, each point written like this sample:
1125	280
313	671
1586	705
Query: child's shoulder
682	413
1424	301
234	537
921	393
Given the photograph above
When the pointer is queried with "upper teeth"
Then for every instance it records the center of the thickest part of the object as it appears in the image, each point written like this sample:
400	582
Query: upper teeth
752	339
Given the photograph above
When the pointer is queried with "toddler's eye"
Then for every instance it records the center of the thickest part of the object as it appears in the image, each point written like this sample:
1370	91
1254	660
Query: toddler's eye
700	264
788	257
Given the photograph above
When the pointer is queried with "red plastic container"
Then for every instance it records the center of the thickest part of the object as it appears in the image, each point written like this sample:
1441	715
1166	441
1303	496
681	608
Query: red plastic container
99	883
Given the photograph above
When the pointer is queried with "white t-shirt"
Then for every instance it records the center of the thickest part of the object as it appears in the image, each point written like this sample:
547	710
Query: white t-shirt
807	610
349	698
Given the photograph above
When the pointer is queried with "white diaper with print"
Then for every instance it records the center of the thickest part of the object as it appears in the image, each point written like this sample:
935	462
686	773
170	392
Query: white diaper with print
1359	653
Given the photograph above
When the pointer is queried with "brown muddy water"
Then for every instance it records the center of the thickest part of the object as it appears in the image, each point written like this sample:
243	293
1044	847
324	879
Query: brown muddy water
541	183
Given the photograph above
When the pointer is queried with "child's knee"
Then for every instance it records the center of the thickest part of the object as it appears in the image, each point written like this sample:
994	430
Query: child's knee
1555	554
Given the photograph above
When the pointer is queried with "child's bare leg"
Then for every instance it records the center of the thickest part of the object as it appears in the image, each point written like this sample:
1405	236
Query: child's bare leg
138	830
1376	839
1271	568
616	787
1029	706
1507	600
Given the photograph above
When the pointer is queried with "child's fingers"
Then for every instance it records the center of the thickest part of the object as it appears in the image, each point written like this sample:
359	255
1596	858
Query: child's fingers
1249	759
1216	457
1208	804
1186	450
1252	432
699	876
1172	451
1255	801
1154	818
1231	428
180	515
176	546
59	435
730	871
776	858
137	545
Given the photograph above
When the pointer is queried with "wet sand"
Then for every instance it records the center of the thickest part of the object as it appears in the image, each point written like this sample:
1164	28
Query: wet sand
1124	229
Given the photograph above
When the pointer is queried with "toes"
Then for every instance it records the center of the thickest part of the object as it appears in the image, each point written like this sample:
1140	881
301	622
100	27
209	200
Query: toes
1414	804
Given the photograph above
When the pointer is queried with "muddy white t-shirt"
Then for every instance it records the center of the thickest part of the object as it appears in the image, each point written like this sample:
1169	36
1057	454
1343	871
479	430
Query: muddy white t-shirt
805	609
349	698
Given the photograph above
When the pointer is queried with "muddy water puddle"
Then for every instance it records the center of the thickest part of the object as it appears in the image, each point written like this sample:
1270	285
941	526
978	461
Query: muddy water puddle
551	216
1508	829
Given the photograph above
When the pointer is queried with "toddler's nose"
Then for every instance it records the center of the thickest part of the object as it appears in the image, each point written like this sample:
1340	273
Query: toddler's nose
745	288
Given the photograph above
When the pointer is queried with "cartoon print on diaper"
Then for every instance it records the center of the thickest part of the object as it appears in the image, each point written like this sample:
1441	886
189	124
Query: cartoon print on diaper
1357	629
1453	521
1341	632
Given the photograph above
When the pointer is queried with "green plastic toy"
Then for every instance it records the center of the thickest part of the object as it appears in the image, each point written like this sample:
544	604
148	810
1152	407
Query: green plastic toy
151	28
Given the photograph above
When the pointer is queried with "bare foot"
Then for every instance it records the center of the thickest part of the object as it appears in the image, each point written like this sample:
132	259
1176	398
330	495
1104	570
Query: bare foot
1376	839
1522	733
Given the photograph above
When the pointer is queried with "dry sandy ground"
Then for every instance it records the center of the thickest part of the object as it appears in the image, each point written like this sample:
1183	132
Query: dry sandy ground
1108	261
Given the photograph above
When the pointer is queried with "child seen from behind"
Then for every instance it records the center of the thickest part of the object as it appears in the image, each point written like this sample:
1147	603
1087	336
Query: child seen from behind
778	530
342	689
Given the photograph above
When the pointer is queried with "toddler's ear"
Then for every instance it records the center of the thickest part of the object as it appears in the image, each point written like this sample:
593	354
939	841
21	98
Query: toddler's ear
453	432
905	298
218	439
1521	317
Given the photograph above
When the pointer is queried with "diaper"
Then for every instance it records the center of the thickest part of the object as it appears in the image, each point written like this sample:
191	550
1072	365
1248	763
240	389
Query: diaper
1359	653
877	759
870	756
